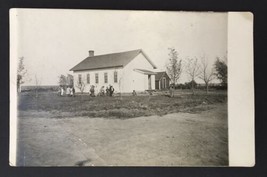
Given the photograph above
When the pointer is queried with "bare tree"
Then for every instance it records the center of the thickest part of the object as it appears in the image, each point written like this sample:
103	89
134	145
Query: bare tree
193	71
37	82
174	67
21	73
207	74
80	85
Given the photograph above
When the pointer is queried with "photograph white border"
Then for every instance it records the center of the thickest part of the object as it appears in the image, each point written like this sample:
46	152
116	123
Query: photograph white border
240	89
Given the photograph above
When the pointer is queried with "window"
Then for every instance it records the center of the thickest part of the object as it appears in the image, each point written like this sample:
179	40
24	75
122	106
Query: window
106	77
80	78
115	76
96	78
88	78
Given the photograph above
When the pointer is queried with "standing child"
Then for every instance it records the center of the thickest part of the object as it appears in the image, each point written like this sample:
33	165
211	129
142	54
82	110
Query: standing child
107	91
68	91
61	91
73	91
102	91
111	90
92	91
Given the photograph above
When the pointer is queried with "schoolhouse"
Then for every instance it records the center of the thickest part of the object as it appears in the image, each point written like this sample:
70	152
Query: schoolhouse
125	71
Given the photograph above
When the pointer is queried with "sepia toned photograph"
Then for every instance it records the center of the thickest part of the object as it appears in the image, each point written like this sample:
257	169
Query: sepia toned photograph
120	88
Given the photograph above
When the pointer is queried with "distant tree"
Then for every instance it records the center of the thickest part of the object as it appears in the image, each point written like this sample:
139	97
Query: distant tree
21	73
65	81
174	66
207	74
37	82
193	71
189	85
70	80
80	85
221	71
62	80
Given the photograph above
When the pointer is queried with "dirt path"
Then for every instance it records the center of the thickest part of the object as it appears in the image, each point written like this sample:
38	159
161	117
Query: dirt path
171	140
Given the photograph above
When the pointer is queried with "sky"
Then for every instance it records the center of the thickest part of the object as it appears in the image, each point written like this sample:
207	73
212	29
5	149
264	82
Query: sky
53	41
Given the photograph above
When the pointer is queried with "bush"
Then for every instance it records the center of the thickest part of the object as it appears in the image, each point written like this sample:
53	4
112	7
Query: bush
186	85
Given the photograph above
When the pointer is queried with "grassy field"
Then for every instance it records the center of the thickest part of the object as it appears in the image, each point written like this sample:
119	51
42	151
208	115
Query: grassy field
187	130
49	104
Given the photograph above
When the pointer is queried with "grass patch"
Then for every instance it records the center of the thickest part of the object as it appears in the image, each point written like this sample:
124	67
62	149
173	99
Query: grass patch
115	107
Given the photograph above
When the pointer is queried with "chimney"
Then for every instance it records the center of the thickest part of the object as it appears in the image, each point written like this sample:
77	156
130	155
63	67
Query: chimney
91	53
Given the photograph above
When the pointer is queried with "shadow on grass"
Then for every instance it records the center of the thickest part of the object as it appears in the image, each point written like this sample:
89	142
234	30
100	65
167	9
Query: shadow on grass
82	163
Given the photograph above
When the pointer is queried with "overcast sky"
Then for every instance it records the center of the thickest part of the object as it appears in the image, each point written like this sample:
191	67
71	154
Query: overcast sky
53	41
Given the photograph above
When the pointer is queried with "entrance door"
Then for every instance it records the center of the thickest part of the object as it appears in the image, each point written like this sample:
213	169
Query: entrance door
149	82
164	83
157	85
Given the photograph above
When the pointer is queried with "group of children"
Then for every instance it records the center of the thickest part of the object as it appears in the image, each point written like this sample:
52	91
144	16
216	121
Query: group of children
69	91
102	92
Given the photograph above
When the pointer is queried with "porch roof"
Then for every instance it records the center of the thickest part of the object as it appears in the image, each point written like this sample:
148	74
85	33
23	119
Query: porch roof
145	71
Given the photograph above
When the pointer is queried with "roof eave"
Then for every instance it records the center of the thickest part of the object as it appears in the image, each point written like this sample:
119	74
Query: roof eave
97	68
145	72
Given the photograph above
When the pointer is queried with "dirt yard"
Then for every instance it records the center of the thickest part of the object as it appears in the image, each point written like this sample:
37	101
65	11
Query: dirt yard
187	139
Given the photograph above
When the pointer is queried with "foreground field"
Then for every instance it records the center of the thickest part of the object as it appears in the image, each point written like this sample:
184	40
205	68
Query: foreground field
49	104
145	130
171	140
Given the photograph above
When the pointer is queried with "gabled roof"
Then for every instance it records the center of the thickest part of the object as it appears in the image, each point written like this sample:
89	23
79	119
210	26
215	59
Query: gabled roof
109	60
159	75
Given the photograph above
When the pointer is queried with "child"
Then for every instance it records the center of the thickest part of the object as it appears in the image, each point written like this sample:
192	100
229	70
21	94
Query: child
92	91
102	92
111	90
68	91
61	91
73	91
107	91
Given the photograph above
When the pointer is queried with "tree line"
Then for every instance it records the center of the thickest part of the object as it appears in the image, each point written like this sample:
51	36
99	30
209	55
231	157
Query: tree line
196	68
